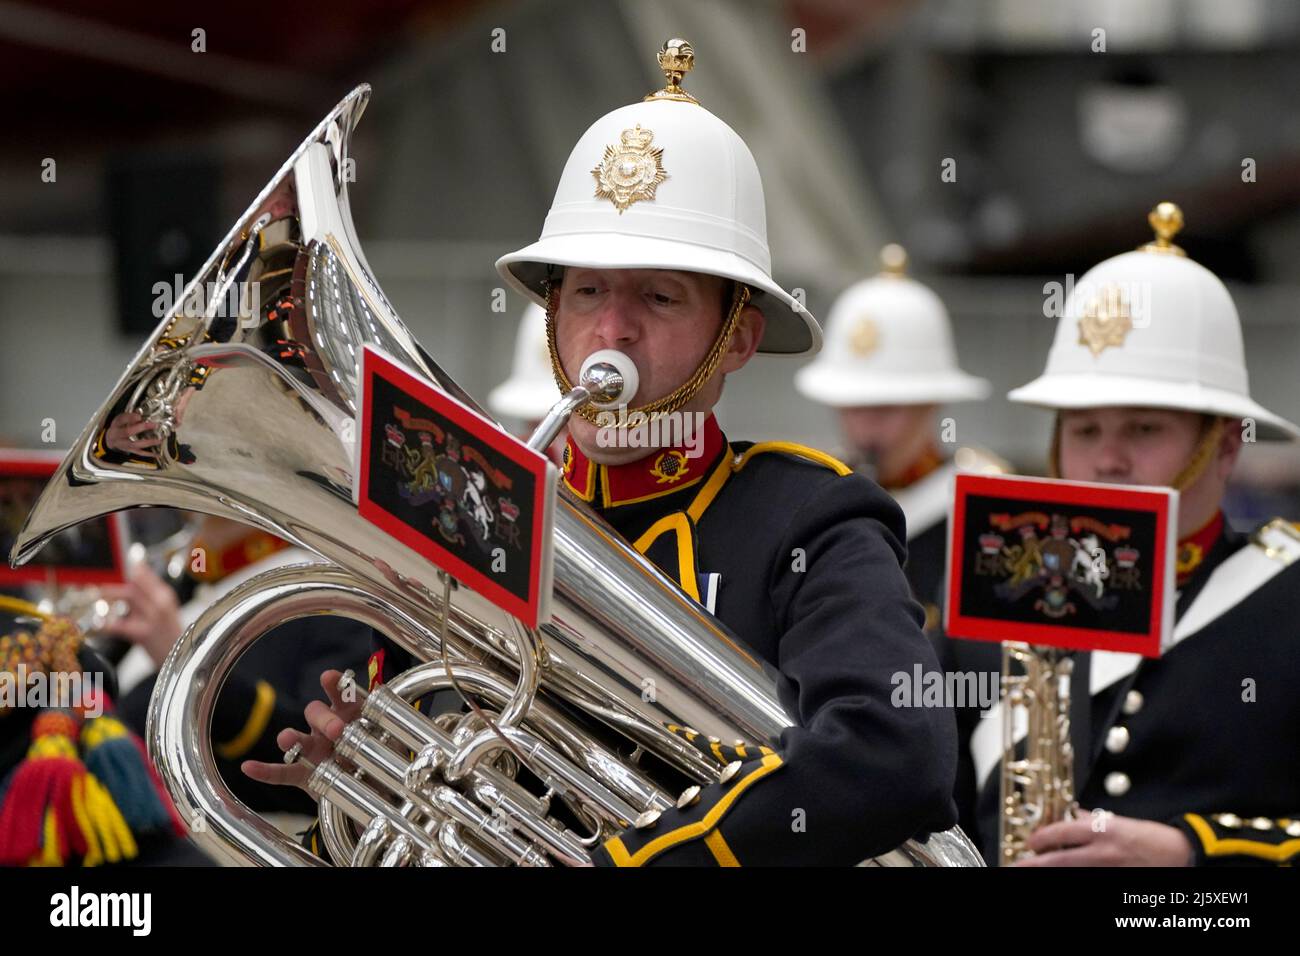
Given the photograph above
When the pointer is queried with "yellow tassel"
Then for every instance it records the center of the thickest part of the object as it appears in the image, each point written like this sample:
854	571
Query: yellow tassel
102	823
49	855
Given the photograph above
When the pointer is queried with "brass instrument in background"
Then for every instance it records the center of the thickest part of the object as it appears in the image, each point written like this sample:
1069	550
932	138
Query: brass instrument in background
1037	785
253	413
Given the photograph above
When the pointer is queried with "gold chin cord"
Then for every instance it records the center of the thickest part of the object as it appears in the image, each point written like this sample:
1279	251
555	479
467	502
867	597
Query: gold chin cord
1202	454
673	400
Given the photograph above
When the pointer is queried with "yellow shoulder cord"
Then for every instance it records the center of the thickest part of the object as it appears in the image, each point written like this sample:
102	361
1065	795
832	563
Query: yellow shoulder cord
799	451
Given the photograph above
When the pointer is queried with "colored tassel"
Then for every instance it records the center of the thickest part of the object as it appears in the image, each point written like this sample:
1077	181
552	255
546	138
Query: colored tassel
36	821
118	760
54	809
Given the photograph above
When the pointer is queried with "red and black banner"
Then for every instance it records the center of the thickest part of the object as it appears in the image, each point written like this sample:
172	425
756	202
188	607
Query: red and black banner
451	485
1064	564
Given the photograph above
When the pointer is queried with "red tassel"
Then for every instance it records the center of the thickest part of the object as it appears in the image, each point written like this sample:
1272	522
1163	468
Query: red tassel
41	786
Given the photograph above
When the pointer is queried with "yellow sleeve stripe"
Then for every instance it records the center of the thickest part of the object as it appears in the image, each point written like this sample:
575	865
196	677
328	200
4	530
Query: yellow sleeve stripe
254	727
681	525
1275	852
716	747
721	852
618	852
800	451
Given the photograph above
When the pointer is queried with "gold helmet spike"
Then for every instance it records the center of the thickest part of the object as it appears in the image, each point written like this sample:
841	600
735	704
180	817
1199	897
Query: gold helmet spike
893	260
1167	221
676	59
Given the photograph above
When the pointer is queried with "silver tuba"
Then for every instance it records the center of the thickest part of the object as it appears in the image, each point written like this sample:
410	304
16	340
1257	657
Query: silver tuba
250	401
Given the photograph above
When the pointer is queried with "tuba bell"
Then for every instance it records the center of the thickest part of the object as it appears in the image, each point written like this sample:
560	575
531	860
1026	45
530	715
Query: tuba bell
250	386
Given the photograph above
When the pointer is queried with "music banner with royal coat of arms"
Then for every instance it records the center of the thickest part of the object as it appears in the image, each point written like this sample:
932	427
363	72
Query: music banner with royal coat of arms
1061	563
455	487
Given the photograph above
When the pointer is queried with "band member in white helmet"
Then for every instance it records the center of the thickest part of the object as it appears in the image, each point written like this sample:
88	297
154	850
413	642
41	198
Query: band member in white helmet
1190	758
656	246
888	366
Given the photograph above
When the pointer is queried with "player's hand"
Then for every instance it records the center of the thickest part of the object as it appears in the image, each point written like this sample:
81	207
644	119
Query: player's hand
326	723
152	619
132	434
1108	840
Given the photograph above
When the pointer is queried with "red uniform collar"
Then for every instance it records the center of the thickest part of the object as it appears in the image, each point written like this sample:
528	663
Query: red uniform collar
661	472
1193	548
929	460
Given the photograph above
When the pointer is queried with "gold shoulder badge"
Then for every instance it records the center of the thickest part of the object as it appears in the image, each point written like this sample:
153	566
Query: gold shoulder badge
670	467
630	171
1106	320
865	337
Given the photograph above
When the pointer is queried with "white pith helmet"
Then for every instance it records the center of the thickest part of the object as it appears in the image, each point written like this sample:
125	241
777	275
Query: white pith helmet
1151	329
665	184
888	342
530	391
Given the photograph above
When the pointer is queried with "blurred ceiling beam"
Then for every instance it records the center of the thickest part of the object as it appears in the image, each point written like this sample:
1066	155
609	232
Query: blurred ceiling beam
65	33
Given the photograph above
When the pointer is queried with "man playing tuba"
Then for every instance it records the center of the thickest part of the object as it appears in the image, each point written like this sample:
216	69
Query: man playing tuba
655	246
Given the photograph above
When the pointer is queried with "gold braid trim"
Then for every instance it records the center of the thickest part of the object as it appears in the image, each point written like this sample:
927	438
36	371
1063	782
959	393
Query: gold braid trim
1202	454
670	402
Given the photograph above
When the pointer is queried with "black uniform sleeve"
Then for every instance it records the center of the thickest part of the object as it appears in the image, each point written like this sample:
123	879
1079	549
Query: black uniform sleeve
1225	839
856	776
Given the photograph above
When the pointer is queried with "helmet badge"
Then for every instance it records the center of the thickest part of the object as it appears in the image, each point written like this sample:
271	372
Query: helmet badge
1106	320
631	170
865	337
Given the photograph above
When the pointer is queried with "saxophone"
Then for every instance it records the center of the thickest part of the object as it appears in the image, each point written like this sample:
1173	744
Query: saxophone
1036	783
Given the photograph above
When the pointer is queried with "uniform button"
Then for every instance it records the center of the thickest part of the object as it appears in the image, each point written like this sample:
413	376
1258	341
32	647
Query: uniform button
1117	739
729	771
1132	702
689	796
1229	820
647	820
1117	784
1262	823
1293	828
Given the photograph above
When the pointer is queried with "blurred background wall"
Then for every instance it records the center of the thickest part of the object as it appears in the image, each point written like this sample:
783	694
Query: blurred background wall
135	135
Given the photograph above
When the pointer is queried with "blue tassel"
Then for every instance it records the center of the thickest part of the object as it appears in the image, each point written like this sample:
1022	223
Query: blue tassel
117	758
